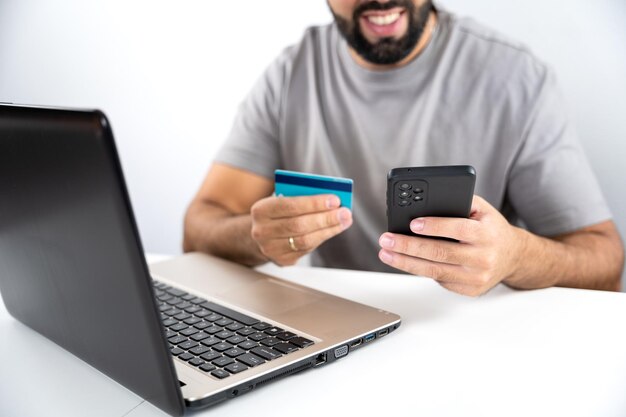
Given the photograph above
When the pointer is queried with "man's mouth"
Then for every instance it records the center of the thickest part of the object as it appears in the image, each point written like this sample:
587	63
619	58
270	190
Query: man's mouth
382	20
376	24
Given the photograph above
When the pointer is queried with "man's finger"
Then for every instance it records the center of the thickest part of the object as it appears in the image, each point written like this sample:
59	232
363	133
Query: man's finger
308	223
279	207
463	230
425	268
426	248
304	243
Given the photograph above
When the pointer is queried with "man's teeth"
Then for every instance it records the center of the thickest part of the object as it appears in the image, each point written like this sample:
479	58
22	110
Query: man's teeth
385	19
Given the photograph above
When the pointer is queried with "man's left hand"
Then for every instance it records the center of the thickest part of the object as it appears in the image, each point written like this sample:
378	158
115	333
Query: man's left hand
488	249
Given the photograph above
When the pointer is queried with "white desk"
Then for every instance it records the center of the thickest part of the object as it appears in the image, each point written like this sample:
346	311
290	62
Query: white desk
554	352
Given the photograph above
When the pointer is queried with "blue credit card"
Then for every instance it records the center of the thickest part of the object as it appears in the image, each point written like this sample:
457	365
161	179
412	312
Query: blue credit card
294	184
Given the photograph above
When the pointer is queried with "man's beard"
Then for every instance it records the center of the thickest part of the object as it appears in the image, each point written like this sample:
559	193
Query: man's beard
387	50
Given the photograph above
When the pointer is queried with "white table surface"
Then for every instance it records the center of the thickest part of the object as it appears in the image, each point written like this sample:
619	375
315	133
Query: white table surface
553	352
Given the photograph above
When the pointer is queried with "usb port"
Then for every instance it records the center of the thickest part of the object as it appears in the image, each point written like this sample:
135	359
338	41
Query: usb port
369	337
383	332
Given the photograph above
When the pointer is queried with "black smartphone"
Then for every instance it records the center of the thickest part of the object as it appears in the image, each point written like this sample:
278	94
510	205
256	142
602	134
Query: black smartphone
440	191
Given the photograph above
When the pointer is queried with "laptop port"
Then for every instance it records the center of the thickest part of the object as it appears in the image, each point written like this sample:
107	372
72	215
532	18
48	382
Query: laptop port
320	360
384	332
356	343
341	351
369	337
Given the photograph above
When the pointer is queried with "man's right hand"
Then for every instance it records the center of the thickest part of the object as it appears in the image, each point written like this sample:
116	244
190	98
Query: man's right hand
287	228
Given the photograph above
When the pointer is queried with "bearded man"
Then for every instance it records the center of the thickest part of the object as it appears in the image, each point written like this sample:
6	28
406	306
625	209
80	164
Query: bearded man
405	83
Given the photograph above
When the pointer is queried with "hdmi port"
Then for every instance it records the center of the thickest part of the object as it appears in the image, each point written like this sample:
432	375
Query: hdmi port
356	343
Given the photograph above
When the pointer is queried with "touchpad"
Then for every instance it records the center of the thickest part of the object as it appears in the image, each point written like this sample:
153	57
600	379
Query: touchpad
270	296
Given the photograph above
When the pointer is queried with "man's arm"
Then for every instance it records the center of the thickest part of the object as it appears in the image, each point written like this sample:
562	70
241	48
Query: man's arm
235	217
592	257
218	219
490	250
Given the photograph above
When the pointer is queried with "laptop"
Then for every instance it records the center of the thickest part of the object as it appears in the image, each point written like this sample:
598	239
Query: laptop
189	332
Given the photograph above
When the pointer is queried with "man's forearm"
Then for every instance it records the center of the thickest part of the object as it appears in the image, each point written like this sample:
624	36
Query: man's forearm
214	230
591	260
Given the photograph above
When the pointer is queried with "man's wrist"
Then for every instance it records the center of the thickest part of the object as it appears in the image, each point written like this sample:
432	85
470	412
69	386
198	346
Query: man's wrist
529	269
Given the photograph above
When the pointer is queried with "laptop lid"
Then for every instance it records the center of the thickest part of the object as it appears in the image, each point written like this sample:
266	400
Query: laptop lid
71	262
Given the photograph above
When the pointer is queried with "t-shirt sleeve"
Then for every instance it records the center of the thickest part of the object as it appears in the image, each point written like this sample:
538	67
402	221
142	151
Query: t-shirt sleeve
253	141
552	187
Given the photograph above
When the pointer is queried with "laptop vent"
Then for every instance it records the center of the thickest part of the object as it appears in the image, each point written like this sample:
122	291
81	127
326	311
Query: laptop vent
284	373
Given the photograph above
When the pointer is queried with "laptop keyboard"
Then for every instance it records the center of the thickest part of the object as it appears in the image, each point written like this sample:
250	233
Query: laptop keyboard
217	340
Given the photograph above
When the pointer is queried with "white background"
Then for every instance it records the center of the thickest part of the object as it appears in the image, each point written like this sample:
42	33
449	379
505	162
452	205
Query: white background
170	74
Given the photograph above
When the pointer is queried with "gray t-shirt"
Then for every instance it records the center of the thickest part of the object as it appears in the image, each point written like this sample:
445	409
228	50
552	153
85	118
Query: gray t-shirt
471	97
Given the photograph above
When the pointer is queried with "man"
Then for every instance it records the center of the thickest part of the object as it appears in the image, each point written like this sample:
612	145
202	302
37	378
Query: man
401	83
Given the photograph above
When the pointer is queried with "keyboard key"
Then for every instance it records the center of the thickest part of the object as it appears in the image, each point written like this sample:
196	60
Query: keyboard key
220	373
285	335
176	292
266	353
177	339
285	347
262	326
164	307
211	355
213	317
185	356
222	361
211	341
173	301
273	331
188	344
159	285
193	309
202	313
183	304
172	311
213	329
176	351
248	344
192	320
188	297
223	322
220	347
232	314
178	327
196	361
225	334
234	352
198	300
182	316
246	331
200	336
169	333
257	336
270	341
236	367
202	325
207	367
189	331
301	342
169	321
236	339
235	326
250	359
199	350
